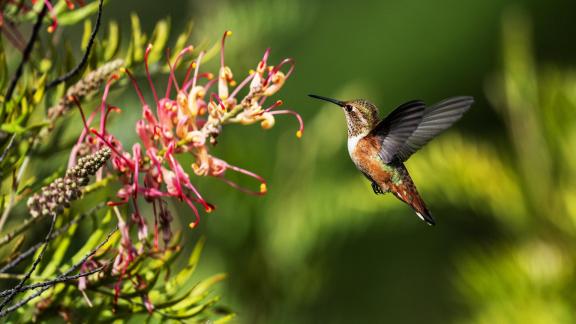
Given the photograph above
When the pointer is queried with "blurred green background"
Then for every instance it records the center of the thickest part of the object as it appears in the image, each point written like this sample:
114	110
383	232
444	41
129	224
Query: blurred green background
321	247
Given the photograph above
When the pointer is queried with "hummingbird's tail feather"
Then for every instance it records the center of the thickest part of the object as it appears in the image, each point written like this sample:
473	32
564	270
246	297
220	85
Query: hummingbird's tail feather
406	191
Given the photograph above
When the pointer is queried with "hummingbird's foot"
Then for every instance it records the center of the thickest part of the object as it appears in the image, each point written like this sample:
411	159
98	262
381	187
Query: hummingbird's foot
377	189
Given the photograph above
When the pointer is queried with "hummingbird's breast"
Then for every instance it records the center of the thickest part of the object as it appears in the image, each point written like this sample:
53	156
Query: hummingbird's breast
365	153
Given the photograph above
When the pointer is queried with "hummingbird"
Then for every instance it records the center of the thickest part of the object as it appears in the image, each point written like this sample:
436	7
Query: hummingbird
379	148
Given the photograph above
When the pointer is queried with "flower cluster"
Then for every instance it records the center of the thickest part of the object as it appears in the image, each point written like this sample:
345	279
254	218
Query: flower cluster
187	119
84	87
56	196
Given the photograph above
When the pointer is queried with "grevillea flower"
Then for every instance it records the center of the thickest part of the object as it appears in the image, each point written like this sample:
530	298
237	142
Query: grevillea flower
186	119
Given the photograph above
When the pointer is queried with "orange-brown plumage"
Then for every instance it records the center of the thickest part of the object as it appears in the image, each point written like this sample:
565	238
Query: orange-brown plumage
378	148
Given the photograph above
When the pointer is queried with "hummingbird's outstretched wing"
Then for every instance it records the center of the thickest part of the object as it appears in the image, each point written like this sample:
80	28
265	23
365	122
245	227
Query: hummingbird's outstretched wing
436	119
394	130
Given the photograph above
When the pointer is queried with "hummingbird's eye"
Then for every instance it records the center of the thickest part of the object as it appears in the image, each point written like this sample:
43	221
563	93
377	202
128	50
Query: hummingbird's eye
348	108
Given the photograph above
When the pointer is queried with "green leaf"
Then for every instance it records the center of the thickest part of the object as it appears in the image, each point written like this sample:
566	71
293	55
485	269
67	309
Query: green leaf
138	38
13	128
159	39
86	33
185	275
72	17
225	319
112	41
182	41
94	239
39	94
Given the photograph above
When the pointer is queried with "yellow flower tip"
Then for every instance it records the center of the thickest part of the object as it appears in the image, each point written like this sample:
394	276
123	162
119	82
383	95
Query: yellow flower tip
122	70
228	33
270	68
232	83
299	134
194	65
251	71
50	29
193	225
263	188
210	76
279	102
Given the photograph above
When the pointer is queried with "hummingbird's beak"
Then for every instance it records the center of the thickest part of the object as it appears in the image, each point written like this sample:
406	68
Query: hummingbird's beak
334	101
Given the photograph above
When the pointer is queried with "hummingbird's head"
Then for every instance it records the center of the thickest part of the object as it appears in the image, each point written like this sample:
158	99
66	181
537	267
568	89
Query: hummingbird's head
361	115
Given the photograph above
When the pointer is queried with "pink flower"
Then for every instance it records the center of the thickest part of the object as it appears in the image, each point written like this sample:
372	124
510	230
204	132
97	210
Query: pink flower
186	119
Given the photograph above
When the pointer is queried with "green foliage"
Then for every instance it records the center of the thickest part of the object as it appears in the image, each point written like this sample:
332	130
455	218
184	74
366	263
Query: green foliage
159	285
530	277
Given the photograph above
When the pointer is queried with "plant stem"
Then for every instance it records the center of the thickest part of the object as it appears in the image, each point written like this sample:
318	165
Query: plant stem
66	273
34	265
84	59
25	54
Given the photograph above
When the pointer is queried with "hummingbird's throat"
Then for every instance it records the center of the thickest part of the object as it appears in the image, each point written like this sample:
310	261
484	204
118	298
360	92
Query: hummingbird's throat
358	126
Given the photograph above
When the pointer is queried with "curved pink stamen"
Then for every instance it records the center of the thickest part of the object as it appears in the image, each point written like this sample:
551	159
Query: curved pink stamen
295	114
226	34
278	67
241	85
276	104
172	67
264	60
194	209
135	84
136	152
215	96
83	134
130	164
108	110
103	113
238	187
195	78
146	54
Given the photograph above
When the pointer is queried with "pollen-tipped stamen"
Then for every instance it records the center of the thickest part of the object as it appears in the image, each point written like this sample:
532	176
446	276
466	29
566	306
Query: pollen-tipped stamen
276	104
54	24
227	33
295	114
248	173
146	55
198	60
103	106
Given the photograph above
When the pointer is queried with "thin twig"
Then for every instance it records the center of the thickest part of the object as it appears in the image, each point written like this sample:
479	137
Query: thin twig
34	265
84	59
56	233
26	54
7	148
52	282
66	273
